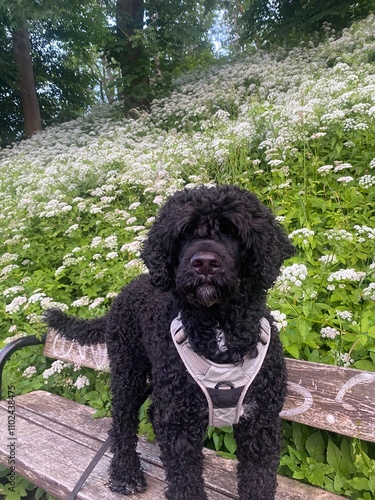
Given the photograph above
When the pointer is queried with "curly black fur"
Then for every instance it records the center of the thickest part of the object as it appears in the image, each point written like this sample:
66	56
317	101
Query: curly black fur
212	254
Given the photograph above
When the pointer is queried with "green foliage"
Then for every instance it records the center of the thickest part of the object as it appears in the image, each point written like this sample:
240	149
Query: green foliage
20	488
332	462
64	37
289	22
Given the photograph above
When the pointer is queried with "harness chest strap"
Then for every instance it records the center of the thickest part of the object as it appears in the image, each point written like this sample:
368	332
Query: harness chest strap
224	385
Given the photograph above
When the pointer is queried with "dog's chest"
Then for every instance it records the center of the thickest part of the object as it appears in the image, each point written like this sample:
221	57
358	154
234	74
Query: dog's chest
225	385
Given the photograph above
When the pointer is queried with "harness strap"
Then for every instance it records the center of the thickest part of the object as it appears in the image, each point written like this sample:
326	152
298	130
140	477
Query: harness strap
224	385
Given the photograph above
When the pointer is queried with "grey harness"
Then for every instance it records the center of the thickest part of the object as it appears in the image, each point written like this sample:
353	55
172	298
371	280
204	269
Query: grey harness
224	385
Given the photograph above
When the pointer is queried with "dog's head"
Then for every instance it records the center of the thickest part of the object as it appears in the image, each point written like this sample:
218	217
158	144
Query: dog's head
207	243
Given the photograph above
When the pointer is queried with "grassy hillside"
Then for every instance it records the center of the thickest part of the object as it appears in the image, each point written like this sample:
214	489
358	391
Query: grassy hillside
296	128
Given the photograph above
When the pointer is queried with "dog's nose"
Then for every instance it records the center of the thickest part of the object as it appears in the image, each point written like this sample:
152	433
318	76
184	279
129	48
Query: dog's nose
205	262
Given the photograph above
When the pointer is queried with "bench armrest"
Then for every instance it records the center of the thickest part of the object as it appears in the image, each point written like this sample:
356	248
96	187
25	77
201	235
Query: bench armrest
13	346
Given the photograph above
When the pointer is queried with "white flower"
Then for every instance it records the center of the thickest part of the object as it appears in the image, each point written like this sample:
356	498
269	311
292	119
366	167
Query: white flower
96	302
324	170
280	319
292	275
275	163
342	166
133	247
111	242
72	228
16	304
56	367
345	180
302	233
158	200
82	381
346	275
134	205
328	259
29	372
36	297
338	235
19	335
111	255
345	359
97	241
8	257
13	290
345	315
366	181
329	332
83	301
369	292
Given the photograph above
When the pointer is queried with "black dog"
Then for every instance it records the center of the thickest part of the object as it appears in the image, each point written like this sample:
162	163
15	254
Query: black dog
212	254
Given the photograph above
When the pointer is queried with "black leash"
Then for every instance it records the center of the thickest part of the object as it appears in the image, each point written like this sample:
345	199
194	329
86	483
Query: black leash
81	481
98	455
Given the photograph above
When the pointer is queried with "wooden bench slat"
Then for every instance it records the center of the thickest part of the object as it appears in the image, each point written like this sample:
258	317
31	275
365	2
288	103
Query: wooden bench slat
330	397
57	438
327	397
52	463
58	347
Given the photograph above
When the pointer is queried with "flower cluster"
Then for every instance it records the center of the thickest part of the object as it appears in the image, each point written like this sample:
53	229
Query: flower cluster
290	276
280	319
57	367
29	372
329	333
346	275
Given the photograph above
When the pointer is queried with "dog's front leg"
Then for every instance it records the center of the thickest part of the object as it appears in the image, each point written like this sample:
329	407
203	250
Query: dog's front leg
258	453
180	426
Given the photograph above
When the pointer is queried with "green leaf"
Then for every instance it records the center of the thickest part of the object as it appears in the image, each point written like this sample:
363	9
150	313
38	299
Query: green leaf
334	456
339	482
230	443
217	439
347	458
360	483
293	350
315	446
304	327
365	364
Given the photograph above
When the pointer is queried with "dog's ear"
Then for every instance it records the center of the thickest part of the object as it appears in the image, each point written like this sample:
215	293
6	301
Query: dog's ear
270	246
157	258
265	243
159	250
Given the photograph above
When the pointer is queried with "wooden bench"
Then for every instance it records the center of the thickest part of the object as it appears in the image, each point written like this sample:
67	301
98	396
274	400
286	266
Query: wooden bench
55	438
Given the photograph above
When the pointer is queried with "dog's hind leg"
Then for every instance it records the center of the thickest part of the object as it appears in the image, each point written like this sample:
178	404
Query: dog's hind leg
128	384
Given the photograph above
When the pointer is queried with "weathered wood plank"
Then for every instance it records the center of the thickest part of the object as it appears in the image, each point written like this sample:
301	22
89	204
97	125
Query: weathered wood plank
94	356
332	398
323	396
56	435
55	464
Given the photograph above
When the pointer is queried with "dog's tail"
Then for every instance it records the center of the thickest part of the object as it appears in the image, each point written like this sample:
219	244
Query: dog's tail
84	331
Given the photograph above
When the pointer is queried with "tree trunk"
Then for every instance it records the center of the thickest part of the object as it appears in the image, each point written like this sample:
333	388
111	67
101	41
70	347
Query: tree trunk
134	62
26	81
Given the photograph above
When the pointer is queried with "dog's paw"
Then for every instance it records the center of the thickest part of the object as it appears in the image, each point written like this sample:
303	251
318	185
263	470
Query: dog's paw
130	487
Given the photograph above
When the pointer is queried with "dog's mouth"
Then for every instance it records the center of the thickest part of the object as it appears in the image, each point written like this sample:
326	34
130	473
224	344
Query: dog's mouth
206	295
